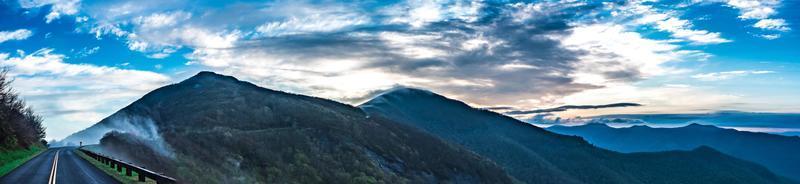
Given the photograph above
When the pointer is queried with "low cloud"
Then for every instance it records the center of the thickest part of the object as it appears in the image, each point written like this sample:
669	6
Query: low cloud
570	107
74	96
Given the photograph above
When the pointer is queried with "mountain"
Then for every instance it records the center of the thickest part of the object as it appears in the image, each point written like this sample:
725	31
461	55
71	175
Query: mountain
212	128
791	134
781	154
534	155
730	119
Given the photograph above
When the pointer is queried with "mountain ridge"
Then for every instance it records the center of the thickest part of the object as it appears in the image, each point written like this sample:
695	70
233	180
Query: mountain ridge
223	130
535	155
777	152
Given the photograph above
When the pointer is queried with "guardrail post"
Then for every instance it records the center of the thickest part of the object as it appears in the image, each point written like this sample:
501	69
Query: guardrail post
119	167
128	171
112	164
141	176
161	181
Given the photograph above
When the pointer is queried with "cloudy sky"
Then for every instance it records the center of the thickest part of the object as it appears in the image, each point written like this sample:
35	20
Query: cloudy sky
78	61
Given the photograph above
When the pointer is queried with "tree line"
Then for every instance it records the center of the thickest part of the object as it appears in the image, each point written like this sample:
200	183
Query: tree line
20	127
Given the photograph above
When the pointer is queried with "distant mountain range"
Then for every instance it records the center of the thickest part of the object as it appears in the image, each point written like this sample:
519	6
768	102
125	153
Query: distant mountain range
790	122
781	154
534	155
213	128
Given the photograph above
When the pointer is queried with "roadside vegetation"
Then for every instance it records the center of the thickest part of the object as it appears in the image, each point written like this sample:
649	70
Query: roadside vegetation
11	159
119	176
21	130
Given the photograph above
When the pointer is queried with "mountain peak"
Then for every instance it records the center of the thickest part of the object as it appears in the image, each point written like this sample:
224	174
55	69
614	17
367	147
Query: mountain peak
705	149
698	125
597	125
399	93
408	91
208	75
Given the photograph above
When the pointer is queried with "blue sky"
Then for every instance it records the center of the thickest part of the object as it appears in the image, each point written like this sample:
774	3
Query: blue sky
78	61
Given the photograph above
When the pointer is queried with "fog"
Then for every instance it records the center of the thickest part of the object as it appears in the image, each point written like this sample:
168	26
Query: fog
142	127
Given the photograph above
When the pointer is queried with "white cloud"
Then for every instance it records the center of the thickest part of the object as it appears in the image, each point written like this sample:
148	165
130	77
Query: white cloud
335	77
74	96
158	30
101	29
681	29
716	76
160	20
311	24
418	13
755	9
668	21
413	45
86	51
19	34
761	10
516	66
81	19
162	43
772	24
522	12
59	7
770	36
611	48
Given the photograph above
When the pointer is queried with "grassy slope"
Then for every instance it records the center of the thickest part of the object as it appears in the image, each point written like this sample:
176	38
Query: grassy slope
11	159
119	176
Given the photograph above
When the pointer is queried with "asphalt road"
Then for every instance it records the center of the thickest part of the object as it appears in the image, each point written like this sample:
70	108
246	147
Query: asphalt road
70	168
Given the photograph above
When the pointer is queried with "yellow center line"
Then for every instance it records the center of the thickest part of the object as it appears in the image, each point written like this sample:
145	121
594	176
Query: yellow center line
54	169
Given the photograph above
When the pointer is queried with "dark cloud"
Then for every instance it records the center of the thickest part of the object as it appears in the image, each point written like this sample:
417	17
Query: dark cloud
569	107
511	41
499	108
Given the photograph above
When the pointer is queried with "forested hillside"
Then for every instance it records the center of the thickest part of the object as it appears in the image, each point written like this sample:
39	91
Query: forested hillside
21	130
778	153
216	129
534	155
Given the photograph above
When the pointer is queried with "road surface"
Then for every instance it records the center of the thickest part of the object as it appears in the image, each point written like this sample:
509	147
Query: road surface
57	165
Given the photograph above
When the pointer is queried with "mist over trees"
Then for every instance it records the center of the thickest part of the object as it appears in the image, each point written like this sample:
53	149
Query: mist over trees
20	127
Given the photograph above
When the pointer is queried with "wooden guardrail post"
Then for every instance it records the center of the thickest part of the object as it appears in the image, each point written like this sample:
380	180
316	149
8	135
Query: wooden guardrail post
119	168
141	175
128	171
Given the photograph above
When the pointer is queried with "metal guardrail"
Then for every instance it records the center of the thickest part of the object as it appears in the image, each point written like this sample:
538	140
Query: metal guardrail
129	168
